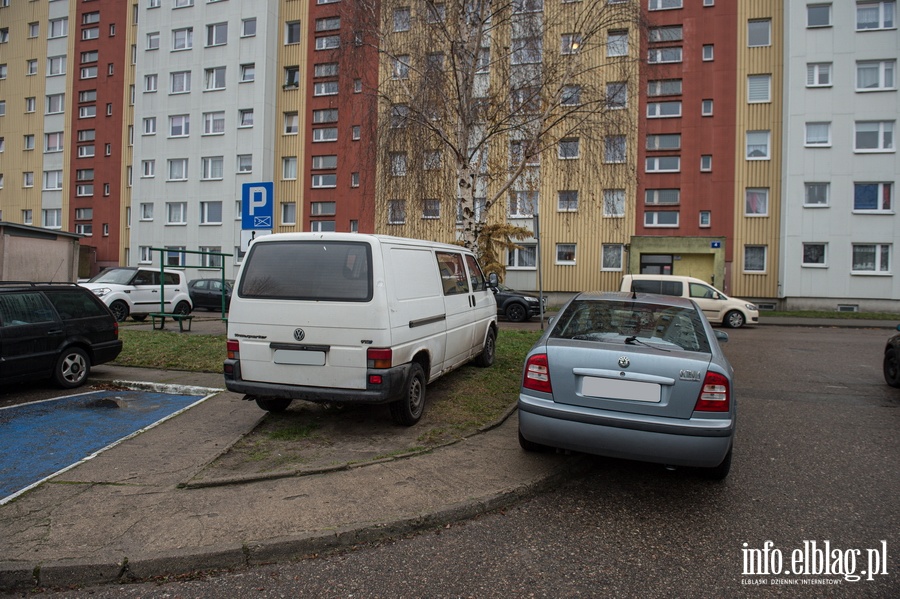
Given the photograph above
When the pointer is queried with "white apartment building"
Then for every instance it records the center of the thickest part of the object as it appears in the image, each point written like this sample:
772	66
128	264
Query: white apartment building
841	230
205	95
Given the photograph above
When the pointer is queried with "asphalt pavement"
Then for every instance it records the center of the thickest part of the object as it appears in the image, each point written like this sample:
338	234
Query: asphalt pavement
128	512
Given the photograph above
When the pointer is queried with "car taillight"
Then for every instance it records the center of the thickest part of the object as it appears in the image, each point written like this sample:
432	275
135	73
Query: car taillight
379	358
715	395
537	374
116	329
233	348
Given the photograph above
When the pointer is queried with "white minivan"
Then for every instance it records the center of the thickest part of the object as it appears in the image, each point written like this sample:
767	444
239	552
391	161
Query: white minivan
718	307
353	318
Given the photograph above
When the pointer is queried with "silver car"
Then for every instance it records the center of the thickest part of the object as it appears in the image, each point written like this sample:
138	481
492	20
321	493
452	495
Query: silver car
631	375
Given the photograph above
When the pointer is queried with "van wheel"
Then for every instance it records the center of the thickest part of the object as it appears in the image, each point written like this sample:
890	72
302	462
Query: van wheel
516	313
72	368
119	310
408	409
486	357
734	319
273	404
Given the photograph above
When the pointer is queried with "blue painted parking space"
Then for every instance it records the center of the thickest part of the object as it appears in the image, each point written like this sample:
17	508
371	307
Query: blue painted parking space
42	439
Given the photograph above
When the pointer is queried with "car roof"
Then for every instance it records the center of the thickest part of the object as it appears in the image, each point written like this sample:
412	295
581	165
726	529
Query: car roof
20	285
640	298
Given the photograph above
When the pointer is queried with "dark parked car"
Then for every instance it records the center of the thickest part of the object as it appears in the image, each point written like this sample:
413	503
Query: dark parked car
634	376
517	306
207	293
892	360
54	330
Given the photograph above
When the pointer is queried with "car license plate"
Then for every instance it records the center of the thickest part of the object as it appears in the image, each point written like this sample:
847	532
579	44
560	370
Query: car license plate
299	357
618	389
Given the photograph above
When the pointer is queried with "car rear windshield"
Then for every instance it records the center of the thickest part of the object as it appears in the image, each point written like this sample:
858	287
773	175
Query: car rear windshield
308	270
632	322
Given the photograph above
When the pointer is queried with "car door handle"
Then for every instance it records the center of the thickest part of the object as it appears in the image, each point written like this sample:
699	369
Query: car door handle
55	332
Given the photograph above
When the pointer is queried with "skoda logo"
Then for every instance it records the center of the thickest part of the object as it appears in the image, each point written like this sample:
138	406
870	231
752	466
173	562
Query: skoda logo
299	335
624	362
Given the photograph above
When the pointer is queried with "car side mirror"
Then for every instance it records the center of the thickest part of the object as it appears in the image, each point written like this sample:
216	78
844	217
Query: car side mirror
722	336
493	281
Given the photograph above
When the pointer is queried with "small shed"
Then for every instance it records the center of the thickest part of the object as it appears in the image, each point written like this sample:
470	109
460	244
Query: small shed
35	254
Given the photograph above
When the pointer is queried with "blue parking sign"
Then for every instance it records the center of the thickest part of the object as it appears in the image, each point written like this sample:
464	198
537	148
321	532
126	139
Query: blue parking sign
257	205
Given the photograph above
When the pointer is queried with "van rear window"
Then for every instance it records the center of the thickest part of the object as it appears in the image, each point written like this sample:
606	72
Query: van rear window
308	270
656	286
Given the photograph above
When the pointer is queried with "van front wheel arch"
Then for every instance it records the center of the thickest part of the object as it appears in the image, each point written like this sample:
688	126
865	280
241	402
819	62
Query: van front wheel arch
409	408
486	357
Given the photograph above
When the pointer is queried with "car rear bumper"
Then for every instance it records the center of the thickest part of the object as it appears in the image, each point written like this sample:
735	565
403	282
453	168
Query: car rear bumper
393	380
105	352
694	442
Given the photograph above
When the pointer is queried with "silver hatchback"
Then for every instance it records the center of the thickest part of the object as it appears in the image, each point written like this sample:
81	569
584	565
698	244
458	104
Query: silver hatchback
631	375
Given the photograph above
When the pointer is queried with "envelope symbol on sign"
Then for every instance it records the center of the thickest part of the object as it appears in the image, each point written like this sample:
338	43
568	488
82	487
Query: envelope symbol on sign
262	221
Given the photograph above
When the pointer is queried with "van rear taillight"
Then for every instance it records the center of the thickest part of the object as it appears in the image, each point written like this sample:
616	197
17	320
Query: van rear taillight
379	357
715	395
537	374
233	348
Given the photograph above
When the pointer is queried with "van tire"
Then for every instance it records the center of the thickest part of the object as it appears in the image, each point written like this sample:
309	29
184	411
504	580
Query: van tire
409	408
734	319
486	357
276	405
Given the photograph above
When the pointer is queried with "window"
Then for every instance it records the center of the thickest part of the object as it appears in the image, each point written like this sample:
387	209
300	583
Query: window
87	135
248	27
178	169
90	56
818	74
431	209
816	194
175	255
248	72
150	83
86	151
354	179
329	134
870	258
148	169
326	115
659	218
212	168
291	123
176	213
217	34
664	4
670	141
354	133
664	87
84	190
84	213
614	203
245	117
522	204
289	168
211	213
818	135
31	67
565	253
56	65
325	88
757	145
33	30
873	197
87	112
183	3
708	52
89	72
567	201
818	15
211	259
180	125
149	125
180	82
325	69
324	162
4	35
28	141
183	39
614	149
215	78
617	43
27	217
328	42
400	67
755	258
570	43
146	211
876	15
705	219
524	256
30	104
568	149
292	32
705	163
324	181
660	110
874	136
756	201
213	123
611	257
396	212
664	55
662	197
153	41
401	19
245	163
328	24
814	254
90	33
291	77
436	13
663	164
876	75
671	33
527	50
759	88
51	218
759	33
53	142
53	180
398	164
58	28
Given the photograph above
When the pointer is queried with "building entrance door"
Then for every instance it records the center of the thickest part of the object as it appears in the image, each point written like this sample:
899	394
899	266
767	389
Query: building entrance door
656	264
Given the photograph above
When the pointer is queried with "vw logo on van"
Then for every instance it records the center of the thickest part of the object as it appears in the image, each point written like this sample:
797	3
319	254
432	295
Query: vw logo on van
299	334
624	362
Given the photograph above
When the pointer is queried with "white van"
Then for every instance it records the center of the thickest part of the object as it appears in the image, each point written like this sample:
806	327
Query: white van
718	307
352	318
